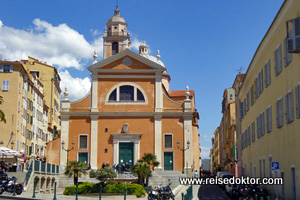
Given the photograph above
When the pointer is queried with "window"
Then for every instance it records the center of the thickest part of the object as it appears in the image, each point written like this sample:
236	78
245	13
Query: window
115	48
270	165
6	68
298	101
289	100
253	131
278	60
168	141
241	110
279	112
248	101
269	119
260	122
249	136
5	85
83	143
126	93
293	33
287	56
259	83
252	95
267	69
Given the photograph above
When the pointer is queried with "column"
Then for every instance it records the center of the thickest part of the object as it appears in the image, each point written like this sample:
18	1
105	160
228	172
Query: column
188	133
136	151
116	151
158	94
64	137
94	141
94	94
158	140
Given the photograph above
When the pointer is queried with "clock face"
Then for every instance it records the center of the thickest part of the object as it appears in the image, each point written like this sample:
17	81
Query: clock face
127	61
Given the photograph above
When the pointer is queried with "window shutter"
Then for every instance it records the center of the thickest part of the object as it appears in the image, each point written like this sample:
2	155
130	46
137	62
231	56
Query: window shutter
7	84
270	119
3	84
269	71
262	81
287	108
291	112
297	101
1	68
281	114
257	125
276	62
277	113
266	74
256	87
263	123
11	68
280	58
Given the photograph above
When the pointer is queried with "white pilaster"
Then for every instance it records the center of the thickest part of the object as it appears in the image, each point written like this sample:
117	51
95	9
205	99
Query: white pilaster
188	136
116	151
158	94
158	140
94	94
94	141
136	151
64	137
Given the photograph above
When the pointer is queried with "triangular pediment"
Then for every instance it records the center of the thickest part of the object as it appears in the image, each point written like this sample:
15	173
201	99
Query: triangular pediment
126	60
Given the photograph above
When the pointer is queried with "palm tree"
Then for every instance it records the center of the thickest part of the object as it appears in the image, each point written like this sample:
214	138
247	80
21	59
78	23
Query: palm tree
151	159
75	169
2	115
142	169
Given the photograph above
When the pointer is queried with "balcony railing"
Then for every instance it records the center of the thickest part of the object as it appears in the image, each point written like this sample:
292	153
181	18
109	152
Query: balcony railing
116	34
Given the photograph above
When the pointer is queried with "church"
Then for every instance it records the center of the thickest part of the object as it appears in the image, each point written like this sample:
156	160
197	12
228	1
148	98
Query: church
130	111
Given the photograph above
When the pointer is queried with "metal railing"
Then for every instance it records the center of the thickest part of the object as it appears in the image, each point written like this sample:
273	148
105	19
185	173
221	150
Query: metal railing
189	194
44	167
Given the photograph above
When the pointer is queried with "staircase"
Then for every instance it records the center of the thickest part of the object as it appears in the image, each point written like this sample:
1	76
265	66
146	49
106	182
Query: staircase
19	175
163	177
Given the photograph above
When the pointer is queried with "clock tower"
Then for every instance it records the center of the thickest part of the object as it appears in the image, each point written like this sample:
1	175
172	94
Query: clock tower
116	38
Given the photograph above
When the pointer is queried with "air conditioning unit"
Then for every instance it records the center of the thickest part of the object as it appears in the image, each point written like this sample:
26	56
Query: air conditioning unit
293	35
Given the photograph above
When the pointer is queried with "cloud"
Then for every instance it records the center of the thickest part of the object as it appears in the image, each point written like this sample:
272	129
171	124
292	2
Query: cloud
205	151
77	87
58	45
135	43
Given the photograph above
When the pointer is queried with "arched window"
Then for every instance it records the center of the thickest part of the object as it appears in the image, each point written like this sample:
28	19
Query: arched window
126	93
115	48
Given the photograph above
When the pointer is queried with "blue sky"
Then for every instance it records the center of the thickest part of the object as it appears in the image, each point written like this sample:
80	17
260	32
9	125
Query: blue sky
202	43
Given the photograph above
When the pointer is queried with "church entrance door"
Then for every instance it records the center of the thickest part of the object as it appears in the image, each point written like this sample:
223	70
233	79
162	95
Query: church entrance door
126	153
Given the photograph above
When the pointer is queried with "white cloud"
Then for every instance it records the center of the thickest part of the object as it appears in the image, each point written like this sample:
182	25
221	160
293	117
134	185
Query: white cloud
58	45
205	151
77	87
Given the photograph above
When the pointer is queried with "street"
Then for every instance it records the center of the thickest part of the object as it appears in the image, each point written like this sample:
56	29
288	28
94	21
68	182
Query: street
211	192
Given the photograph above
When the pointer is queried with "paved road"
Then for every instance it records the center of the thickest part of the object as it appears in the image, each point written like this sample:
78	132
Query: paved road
213	192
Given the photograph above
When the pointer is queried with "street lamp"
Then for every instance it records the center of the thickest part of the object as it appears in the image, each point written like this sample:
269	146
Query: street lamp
12	144
67	150
183	150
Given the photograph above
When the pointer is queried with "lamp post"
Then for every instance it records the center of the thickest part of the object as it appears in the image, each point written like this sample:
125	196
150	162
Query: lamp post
183	150
12	144
67	150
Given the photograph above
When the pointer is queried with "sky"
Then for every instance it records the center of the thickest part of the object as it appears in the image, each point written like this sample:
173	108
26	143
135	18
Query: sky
203	43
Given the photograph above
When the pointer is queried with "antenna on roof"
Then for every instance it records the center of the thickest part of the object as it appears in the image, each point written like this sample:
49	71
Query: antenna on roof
240	70
117	4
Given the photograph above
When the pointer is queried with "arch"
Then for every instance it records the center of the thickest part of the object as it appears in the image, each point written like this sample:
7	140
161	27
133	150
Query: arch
43	184
113	95
52	183
37	183
48	185
115	48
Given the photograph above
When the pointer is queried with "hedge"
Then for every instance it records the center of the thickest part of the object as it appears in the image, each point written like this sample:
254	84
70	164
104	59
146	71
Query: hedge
109	188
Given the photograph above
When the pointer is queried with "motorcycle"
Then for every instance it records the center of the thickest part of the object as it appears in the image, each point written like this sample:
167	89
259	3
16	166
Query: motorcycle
153	194
257	191
166	193
9	185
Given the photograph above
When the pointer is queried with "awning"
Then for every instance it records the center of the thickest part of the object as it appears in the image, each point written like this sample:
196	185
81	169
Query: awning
8	152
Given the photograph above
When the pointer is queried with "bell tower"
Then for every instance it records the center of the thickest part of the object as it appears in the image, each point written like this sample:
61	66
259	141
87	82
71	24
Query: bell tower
116	38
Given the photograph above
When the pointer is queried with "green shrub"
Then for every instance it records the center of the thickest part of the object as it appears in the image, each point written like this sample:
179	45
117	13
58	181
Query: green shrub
70	190
85	188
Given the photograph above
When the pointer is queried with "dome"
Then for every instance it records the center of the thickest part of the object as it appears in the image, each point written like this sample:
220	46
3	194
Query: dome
116	19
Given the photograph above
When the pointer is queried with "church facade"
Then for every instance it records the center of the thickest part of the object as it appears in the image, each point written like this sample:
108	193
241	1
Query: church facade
130	110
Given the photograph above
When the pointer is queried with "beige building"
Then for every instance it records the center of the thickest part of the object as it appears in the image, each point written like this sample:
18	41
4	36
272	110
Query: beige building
270	102
50	79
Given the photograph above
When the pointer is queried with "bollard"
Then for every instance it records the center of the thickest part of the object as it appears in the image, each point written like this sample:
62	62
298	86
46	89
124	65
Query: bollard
34	185
182	196
125	192
14	194
54	198
76	191
100	192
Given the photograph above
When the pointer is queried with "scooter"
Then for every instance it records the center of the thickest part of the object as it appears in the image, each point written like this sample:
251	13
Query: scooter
166	193
10	185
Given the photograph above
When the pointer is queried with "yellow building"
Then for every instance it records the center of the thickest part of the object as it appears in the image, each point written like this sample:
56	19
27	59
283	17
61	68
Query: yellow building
50	79
12	75
270	114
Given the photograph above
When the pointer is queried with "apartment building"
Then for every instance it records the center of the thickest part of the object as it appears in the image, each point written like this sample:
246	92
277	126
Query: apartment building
270	105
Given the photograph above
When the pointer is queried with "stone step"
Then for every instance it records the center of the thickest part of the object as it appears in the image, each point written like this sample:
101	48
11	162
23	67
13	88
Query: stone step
19	175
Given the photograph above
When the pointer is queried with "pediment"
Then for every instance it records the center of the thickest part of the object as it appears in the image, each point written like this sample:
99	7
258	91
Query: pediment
126	60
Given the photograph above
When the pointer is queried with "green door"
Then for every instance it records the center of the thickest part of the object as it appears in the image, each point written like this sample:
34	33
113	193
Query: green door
83	157
126	153
168	160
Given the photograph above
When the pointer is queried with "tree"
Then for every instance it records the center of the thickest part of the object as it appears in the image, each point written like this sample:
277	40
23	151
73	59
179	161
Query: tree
75	169
103	174
2	115
151	159
143	171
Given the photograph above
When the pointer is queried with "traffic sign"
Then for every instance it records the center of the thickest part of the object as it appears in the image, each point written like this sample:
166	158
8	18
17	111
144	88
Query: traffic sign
275	167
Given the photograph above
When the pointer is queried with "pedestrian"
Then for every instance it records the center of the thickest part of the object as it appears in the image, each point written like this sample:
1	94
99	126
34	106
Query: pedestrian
103	165
196	175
